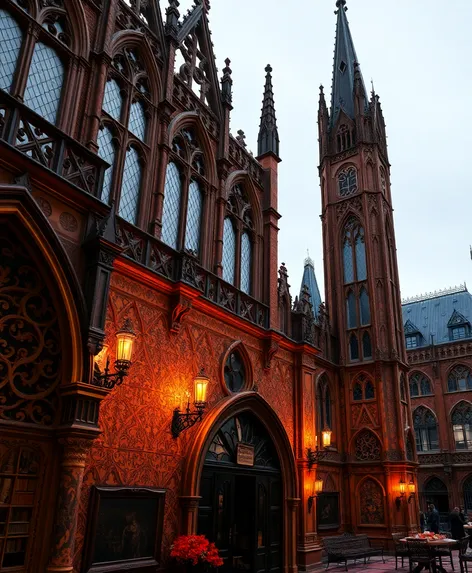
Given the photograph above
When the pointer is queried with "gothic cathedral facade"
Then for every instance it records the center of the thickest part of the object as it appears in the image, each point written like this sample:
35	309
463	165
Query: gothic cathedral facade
156	377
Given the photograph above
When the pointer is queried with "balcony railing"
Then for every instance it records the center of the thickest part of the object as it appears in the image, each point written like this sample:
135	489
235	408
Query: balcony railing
29	133
182	267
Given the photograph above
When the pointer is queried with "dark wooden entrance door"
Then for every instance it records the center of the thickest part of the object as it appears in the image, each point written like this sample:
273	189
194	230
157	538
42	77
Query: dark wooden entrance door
241	503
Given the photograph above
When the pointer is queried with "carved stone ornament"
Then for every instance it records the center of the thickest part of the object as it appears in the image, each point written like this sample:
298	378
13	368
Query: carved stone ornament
367	447
178	312
271	350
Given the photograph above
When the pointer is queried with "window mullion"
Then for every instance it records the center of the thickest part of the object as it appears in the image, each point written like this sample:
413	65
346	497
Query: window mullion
24	61
237	265
183	209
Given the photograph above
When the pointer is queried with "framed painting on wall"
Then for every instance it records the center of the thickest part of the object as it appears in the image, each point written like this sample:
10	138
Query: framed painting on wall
124	530
327	510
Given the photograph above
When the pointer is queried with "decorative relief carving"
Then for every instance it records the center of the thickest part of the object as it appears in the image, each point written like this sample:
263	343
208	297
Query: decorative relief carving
45	206
179	311
30	341
367	447
371	503
349	204
68	222
270	351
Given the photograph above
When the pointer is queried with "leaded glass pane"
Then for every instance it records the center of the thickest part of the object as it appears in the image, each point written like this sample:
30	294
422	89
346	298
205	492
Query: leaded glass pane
246	256
130	187
229	251
44	85
425	386
194	217
348	262
369	391
354	348
328	407
106	151
357	391
171	208
366	346
413	389
112	100
10	42
351	310
360	257
137	120
365	308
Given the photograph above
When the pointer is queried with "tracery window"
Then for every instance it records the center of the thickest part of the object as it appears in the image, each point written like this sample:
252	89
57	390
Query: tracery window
122	137
347	182
238	240
363	388
367	447
357	296
235	372
426	429
323	403
461	418
44	56
459	379
420	385
184	194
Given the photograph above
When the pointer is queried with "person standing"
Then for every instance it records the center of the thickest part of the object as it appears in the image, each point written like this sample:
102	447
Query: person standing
457	524
422	521
433	518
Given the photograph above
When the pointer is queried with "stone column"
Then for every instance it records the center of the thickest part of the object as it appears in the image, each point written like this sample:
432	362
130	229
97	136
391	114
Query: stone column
189	505
75	451
291	534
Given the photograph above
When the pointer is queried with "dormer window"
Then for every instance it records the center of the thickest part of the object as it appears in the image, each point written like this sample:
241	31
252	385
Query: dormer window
413	336
458	326
458	332
412	341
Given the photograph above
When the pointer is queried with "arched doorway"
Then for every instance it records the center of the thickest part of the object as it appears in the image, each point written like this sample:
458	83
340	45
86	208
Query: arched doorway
241	496
270	431
467	491
435	491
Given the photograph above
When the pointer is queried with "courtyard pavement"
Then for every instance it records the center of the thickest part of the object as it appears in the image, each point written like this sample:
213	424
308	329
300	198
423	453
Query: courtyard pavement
377	566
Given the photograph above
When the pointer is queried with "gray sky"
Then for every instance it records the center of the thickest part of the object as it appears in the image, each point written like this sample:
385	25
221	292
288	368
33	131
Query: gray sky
418	52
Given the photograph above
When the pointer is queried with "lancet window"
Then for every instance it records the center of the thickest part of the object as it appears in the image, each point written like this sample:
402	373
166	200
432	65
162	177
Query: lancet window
238	240
459	379
420	385
345	138
324	406
363	388
43	56
357	296
461	418
426	429
122	137
184	194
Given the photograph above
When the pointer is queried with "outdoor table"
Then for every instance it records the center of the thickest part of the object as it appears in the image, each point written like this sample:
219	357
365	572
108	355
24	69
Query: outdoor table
434	543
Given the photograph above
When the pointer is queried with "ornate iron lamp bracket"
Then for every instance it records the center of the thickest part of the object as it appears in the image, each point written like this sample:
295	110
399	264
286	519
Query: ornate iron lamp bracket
314	456
183	420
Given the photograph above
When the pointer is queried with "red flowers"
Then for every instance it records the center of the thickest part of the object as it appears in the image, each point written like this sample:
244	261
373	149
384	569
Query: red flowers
195	549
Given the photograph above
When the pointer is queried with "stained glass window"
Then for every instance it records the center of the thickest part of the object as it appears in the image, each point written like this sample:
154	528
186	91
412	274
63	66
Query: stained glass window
137	120
365	308
171	208
348	261
229	251
112	100
354	347
357	392
130	187
360	256
369	390
194	217
347	182
351	310
44	85
366	346
246	256
106	151
10	42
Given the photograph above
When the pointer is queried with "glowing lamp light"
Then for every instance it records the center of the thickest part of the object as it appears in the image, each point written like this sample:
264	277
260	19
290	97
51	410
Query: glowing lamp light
402	488
412	487
201	387
318	485
326	438
125	338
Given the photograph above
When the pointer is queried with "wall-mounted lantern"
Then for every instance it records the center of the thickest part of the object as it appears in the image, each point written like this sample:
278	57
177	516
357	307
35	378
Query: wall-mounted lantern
315	455
125	338
317	489
411	490
401	487
183	420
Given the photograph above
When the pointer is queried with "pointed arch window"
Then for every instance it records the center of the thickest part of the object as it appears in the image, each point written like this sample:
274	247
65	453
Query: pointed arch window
461	418
420	385
347	182
106	150
126	104
426	429
351	310
239	212
357	392
363	388
43	58
353	348
355	268
365	307
184	194
459	379
369	390
324	408
366	346
229	251
345	137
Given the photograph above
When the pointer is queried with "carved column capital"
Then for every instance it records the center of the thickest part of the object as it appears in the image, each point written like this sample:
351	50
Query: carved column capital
75	451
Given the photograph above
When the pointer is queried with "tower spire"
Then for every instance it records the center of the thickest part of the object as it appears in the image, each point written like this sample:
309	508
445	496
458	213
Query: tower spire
268	139
344	70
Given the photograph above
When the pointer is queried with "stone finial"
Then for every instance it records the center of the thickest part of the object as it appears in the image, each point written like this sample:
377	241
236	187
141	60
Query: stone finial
268	139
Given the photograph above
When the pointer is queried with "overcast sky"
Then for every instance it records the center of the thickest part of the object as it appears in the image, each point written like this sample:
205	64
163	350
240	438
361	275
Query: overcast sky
419	54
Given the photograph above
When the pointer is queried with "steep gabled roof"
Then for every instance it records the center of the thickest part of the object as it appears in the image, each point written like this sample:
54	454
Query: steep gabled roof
309	280
410	328
342	92
435	313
